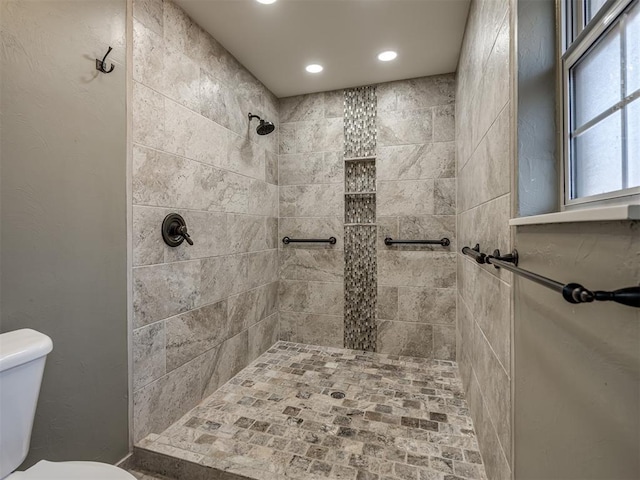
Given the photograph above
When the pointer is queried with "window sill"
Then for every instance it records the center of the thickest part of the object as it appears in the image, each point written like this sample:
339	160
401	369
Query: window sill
601	214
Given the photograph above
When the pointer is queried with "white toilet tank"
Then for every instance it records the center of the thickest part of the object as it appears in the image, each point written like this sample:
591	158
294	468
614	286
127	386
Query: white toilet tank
22	357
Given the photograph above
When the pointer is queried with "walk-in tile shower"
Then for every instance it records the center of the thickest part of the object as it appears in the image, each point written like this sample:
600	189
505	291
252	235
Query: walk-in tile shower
308	412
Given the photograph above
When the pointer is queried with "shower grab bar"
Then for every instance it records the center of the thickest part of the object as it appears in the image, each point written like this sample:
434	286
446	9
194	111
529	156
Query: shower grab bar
445	242
571	292
331	240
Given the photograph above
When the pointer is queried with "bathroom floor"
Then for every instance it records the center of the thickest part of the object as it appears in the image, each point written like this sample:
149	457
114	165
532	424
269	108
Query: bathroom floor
307	412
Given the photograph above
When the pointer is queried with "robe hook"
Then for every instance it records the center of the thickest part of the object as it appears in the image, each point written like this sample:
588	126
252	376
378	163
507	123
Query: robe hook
101	64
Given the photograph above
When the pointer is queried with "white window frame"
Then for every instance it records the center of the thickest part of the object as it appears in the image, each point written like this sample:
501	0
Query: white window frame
572	48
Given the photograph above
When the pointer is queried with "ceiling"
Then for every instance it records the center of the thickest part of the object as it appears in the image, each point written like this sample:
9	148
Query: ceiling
275	42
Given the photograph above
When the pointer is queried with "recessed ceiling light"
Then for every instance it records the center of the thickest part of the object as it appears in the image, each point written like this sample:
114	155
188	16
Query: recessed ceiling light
387	56
266	2
314	68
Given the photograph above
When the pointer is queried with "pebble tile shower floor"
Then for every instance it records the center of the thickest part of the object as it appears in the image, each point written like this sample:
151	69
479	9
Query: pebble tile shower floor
308	412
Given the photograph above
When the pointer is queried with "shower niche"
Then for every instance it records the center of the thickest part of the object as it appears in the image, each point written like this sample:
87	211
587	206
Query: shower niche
360	332
360	191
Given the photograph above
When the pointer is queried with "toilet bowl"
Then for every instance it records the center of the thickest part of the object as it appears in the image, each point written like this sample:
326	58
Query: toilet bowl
44	470
22	357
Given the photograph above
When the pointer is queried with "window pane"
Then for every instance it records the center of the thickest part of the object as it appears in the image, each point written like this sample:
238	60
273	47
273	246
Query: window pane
592	7
633	146
598	159
633	50
596	79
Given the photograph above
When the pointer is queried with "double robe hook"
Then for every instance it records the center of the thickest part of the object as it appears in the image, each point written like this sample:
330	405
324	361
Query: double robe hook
102	64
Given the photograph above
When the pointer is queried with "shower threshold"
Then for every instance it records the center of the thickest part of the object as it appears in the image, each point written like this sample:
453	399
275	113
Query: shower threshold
309	412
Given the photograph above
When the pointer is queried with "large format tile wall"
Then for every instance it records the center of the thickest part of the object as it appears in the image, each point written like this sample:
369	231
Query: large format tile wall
311	180
416	199
484	131
201	312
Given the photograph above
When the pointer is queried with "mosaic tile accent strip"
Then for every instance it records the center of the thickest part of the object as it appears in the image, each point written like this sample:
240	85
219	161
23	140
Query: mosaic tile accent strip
360	279
360	275
360	111
360	209
360	176
400	418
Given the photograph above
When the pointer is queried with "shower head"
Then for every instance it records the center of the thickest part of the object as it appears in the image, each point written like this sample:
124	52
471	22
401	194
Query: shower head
265	128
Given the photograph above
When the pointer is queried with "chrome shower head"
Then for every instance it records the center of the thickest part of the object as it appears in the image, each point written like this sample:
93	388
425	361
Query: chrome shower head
265	128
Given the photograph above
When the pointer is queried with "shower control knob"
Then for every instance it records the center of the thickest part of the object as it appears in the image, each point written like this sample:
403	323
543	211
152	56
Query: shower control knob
174	230
183	231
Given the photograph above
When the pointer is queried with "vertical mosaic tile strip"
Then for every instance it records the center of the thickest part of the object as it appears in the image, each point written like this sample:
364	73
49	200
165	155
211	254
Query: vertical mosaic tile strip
360	269
360	176
360	110
360	209
360	273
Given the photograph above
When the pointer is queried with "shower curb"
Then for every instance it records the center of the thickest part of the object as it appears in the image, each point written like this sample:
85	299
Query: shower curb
168	466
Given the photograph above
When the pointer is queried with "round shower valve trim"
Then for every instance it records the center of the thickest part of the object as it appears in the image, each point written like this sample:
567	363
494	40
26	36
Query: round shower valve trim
174	230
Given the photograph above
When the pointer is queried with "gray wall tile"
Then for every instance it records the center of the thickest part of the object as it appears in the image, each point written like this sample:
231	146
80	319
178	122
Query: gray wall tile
148	354
314	265
160	403
148	56
302	108
483	129
409	197
311	168
427	305
444	196
414	162
181	77
262	335
311	297
225	361
148	120
426	92
417	269
311	205
411	115
387	302
314	329
221	277
444	342
193	333
287	137
150	14
160	291
311	200
334	104
403	127
271	167
262	268
195	155
148	246
248	308
410	339
444	123
325	137
487	174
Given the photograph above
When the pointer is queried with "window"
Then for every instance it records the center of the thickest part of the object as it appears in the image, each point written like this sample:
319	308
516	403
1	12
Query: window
601	98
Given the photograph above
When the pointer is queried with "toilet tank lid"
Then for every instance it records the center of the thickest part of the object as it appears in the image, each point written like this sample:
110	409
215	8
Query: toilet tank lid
22	346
